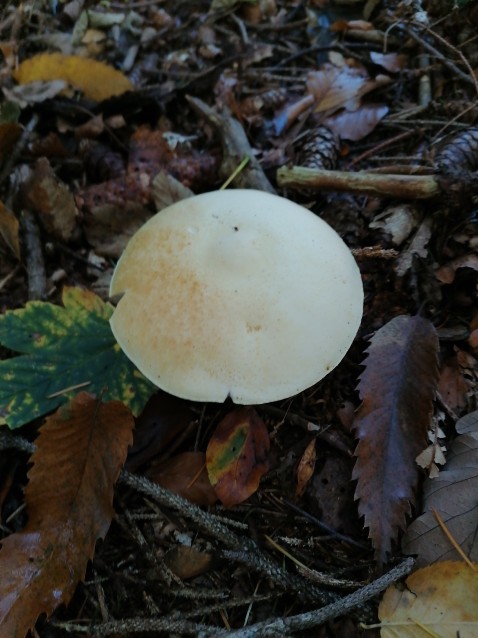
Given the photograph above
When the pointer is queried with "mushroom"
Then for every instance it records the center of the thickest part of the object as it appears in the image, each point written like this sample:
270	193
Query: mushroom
236	293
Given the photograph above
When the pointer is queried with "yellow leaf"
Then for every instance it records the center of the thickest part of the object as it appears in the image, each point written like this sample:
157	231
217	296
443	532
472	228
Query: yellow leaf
439	600
97	81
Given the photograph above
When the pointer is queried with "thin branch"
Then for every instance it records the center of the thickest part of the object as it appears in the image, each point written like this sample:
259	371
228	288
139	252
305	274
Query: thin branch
403	186
283	626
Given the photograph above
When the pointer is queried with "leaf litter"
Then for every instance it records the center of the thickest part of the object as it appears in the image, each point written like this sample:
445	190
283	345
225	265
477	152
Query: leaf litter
126	110
69	500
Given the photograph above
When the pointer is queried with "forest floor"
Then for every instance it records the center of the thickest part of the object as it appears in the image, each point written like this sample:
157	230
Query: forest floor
364	113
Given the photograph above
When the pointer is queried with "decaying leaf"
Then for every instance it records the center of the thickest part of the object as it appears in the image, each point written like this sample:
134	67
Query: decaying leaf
446	273
440	600
357	124
397	389
452	385
187	562
9	134
50	198
236	456
454	496
334	87
10	230
392	62
34	92
97	81
109	227
69	499
186	475
305	469
168	190
64	349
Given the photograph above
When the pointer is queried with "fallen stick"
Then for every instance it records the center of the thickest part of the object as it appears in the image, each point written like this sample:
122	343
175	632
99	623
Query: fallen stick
403	186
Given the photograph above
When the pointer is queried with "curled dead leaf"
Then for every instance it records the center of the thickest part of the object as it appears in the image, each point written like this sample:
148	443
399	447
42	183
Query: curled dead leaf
186	475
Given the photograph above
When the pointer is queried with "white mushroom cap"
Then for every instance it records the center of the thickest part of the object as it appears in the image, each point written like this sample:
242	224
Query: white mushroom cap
236	293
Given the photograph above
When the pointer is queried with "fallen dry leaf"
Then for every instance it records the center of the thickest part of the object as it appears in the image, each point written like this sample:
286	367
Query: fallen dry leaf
453	494
9	134
186	475
10	229
452	385
51	199
392	62
305	469
187	562
440	600
355	125
334	87
397	389
69	499
168	190
237	455
97	81
446	274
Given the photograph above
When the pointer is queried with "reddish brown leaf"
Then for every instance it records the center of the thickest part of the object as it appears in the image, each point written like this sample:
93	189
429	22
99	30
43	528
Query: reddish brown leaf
452	385
10	230
306	467
397	389
52	200
69	498
236	456
186	475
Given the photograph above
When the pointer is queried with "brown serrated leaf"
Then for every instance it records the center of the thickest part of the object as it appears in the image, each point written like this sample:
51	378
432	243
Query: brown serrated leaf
397	389
69	498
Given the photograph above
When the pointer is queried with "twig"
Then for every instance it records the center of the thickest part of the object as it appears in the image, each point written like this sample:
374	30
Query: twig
283	626
240	548
321	431
172	626
403	186
37	287
235	146
18	149
469	79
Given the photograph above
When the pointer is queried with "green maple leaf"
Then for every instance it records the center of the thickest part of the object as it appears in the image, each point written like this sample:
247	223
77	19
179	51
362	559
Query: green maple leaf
64	350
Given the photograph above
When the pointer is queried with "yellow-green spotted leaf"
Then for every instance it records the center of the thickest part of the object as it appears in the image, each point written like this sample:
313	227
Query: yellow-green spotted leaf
64	350
237	456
